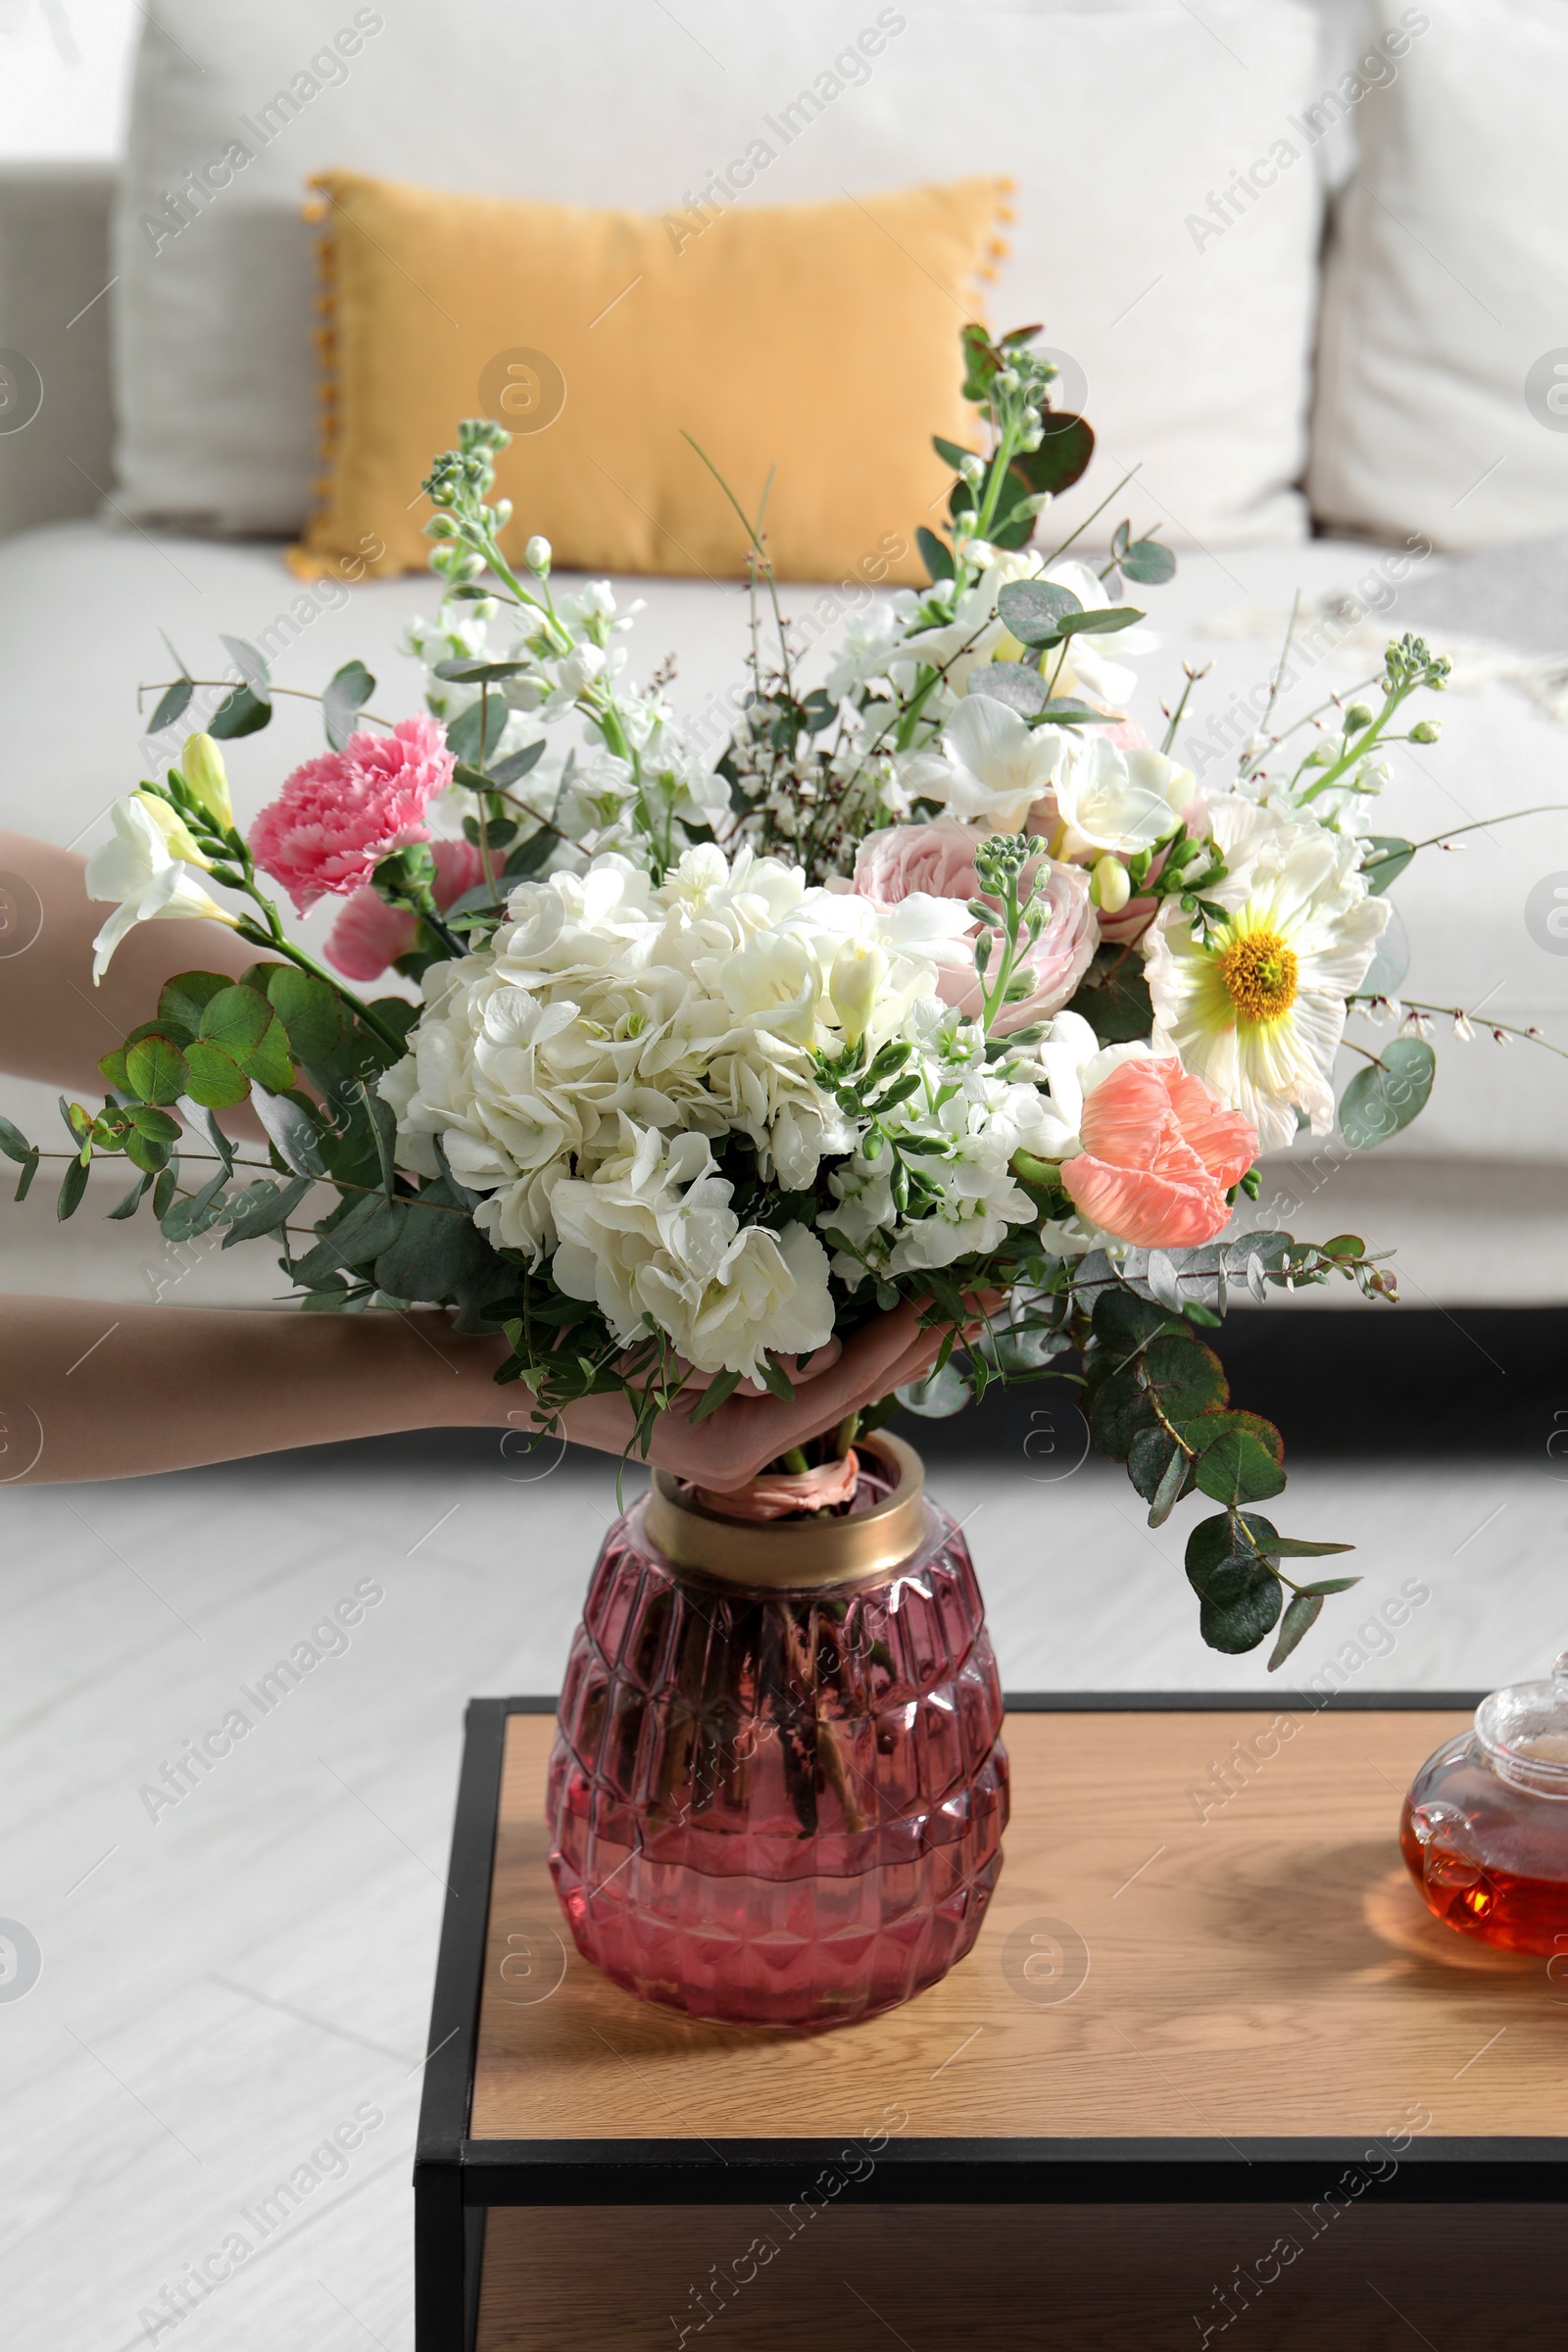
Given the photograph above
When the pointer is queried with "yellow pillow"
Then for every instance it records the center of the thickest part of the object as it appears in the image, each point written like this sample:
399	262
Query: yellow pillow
821	340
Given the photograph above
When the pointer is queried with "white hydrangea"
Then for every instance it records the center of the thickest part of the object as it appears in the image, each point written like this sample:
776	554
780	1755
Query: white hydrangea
577	1071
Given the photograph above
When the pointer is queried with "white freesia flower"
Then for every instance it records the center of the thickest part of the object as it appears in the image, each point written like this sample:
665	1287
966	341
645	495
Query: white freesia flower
992	766
653	1235
1115	800
1257	1008
140	871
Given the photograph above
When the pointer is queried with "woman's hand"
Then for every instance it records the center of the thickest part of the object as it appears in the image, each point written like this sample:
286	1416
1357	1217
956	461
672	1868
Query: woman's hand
748	1432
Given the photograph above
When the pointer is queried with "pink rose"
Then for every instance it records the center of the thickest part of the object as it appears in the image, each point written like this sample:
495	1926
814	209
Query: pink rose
939	858
1159	1153
338	817
369	936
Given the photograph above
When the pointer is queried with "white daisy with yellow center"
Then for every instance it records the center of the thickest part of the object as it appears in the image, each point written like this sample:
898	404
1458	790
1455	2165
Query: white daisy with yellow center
1255	1006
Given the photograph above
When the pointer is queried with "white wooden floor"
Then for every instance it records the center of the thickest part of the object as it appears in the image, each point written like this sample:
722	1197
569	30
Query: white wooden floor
224	1984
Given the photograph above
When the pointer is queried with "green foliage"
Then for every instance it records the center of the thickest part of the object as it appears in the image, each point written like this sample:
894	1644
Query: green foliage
262	1207
214	1079
172	705
157	1069
240	713
1113	997
1387	856
436	1245
1238	1457
73	1186
182	1000
1387	1094
936	555
1033	611
346	694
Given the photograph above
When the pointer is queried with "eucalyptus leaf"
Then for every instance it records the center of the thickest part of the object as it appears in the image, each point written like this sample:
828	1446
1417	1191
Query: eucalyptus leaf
291	1130
466	670
437	1249
1169	1491
129	1202
1387	857
251	665
1012	683
1033	611
1101	621
12	1142
240	713
29	1169
1114	998
262	1207
157	1069
215	1080
935	553
172	705
939	1395
189	1216
1064	453
1390	961
516	765
1240	1458
1301	1615
1387	1094
312	1013
1148	563
347	691
72	1185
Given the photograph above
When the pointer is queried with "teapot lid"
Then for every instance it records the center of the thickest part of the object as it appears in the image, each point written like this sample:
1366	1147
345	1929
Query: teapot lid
1524	1731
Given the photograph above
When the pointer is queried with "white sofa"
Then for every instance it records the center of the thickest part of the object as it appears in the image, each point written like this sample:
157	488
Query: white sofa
1139	135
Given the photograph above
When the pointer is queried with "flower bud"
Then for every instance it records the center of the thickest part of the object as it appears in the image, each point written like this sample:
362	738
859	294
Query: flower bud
1109	886
201	764
171	825
1357	718
537	554
1424	730
854	984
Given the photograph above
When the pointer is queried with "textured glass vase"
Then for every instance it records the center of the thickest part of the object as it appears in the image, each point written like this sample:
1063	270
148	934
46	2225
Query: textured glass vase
778	1791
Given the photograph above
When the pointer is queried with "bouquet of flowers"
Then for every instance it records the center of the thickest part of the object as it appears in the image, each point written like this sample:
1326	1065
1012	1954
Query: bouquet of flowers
942	985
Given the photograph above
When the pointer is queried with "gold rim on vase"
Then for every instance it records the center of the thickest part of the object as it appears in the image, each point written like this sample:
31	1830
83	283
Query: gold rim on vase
794	1554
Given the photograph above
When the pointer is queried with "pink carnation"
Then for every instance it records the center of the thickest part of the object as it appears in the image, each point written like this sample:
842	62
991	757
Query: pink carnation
939	858
1159	1153
338	817
368	934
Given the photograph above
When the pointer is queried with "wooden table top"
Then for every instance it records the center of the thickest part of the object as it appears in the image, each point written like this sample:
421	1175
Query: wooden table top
1160	1960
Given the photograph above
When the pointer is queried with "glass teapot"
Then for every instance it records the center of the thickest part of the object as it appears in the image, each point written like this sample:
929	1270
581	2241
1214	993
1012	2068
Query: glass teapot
1485	1827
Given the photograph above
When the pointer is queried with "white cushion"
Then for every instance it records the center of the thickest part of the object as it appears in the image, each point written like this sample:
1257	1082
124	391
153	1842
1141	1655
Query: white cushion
1116	121
1443	374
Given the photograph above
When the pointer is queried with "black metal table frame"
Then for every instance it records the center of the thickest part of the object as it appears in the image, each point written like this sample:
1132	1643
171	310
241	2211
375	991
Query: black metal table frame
457	2179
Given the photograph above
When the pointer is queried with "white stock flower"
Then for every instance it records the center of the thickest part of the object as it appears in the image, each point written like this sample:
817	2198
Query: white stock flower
1115	800
991	765
1257	1008
140	871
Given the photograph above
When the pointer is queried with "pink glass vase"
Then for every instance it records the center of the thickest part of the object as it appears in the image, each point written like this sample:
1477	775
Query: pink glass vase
778	1791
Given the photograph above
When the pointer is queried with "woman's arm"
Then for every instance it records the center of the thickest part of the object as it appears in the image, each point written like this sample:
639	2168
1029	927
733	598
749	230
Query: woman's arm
114	1392
54	1025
